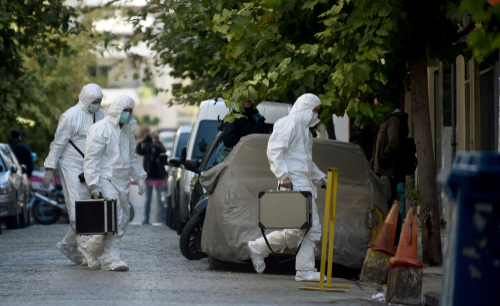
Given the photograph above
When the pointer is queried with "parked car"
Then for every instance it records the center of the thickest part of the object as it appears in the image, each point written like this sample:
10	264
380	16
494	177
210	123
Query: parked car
231	218
167	139
14	191
203	132
173	173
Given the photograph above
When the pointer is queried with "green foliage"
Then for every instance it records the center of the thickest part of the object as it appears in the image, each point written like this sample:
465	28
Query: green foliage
49	56
29	30
411	192
485	39
182	39
147	121
277	50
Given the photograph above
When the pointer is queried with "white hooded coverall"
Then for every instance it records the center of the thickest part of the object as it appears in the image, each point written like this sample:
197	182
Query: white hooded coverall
73	125
110	161
289	151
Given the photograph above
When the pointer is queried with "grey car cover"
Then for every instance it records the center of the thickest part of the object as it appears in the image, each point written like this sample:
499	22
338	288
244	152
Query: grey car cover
233	186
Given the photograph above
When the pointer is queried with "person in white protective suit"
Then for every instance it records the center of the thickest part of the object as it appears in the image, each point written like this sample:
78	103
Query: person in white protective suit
289	151
73	126
110	161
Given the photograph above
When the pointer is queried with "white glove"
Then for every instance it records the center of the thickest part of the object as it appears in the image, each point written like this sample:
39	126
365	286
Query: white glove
142	187
96	192
48	178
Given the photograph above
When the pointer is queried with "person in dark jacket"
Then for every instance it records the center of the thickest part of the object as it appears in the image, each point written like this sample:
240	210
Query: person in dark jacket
365	136
150	147
250	123
22	151
387	154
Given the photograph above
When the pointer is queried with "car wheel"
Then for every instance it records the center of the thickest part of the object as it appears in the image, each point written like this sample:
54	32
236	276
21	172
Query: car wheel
190	242
176	220
181	226
23	222
169	211
12	222
132	212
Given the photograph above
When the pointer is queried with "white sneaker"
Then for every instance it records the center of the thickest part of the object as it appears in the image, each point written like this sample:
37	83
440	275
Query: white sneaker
118	266
310	276
257	257
92	261
71	252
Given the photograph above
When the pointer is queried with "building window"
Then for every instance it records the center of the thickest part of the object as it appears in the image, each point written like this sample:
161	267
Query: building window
467	105
447	97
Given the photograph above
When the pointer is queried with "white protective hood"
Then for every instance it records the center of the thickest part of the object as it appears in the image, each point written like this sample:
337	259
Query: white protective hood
303	109
289	150
117	106
89	94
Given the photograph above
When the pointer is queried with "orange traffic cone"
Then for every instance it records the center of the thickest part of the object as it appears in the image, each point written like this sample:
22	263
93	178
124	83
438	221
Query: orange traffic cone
380	251
387	234
406	255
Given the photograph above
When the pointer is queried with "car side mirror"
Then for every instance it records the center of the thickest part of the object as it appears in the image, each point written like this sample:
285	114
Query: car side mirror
174	162
192	165
183	155
14	168
24	169
163	159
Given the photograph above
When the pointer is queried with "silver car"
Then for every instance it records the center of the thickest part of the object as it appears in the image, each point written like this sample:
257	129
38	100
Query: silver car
180	141
14	191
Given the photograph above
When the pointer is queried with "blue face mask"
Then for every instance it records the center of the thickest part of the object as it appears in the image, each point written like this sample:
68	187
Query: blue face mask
124	117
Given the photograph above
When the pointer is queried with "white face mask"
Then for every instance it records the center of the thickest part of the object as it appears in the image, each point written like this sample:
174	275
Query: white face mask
94	107
314	120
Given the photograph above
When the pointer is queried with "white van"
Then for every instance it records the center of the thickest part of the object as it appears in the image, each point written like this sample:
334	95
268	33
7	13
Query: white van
203	133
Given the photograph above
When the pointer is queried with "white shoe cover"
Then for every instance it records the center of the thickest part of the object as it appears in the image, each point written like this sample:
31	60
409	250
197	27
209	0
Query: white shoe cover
71	252
309	275
257	258
92	262
118	266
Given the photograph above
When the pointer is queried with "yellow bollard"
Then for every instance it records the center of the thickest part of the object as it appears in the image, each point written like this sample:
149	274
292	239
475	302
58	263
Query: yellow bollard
328	226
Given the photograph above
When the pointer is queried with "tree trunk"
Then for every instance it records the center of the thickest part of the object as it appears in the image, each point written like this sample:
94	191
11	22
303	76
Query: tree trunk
429	210
330	129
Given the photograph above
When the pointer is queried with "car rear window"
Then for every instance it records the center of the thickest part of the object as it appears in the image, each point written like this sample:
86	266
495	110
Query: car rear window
183	139
206	134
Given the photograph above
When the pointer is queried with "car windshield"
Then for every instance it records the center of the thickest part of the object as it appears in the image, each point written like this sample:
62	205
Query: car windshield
217	155
206	134
2	163
7	160
183	139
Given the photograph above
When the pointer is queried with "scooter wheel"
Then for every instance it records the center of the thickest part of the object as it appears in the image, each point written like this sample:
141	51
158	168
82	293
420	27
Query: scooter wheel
190	242
45	213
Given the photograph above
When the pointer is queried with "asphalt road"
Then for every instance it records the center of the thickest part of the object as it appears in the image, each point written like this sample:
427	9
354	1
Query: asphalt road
33	272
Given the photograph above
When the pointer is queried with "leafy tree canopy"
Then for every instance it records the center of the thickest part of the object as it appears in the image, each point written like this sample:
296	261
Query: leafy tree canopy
485	39
45	59
276	50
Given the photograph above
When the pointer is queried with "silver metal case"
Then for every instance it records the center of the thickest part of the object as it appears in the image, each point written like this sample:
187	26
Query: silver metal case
285	209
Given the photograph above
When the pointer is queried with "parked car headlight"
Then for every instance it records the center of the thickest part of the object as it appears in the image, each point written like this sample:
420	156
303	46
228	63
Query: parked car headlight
4	189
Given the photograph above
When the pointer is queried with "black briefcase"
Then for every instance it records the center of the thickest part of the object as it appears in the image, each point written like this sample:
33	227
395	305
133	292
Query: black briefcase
96	217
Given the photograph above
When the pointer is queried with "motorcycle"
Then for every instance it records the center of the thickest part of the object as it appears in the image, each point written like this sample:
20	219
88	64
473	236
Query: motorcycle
48	205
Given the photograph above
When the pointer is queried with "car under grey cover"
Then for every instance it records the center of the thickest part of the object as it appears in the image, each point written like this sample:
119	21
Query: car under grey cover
233	186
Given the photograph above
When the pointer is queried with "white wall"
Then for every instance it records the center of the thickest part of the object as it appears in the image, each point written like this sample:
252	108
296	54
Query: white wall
342	129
